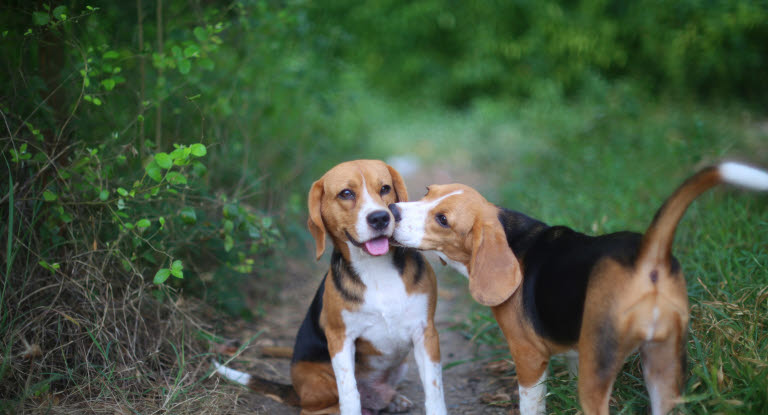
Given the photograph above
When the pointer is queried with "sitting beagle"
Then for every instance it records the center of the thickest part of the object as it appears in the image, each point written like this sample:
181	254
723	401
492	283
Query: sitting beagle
374	305
553	290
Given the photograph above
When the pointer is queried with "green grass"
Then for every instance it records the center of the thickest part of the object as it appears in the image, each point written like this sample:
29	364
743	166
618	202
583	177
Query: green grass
605	163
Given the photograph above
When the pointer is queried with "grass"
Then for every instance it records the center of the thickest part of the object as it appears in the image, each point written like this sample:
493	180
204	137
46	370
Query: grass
86	338
605	163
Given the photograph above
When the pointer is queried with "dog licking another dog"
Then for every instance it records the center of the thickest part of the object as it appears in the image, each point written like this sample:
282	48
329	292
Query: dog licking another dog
551	289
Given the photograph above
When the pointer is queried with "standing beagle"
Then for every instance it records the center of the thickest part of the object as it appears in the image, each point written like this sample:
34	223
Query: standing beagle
553	290
374	305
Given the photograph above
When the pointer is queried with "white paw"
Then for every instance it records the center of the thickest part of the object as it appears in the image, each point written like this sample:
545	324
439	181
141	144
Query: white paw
399	404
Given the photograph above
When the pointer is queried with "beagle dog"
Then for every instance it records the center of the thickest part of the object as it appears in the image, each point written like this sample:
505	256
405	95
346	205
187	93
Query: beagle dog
373	306
554	290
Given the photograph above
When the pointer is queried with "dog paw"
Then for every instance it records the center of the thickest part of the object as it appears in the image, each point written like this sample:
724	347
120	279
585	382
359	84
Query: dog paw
399	404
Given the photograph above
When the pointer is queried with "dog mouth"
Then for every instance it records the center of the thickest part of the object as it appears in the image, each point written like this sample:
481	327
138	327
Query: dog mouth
376	247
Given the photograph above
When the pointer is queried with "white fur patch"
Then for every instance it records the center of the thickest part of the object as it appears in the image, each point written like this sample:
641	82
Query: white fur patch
431	374
413	220
458	266
388	318
232	374
745	176
652	329
364	231
532	399
343	364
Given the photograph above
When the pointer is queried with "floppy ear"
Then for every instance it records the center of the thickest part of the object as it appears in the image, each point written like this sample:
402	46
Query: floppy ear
401	194
315	221
494	272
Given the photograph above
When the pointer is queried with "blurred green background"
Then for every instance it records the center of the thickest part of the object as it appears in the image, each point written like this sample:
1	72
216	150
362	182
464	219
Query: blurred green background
154	140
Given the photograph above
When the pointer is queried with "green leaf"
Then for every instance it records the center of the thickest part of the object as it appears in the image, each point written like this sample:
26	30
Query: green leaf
143	223
184	66
120	204
198	150
122	192
153	171
60	12
191	50
176	178
104	195
163	160
200	33
50	267
188	216
162	275
49	196
108	83
162	222
96	101
228	225
112	54
228	243
40	18
176	269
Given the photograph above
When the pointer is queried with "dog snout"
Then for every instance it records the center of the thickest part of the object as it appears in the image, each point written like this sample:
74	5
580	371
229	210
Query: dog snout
395	211
378	220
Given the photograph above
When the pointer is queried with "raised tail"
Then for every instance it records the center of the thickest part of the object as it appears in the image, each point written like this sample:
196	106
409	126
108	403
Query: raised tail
277	391
657	241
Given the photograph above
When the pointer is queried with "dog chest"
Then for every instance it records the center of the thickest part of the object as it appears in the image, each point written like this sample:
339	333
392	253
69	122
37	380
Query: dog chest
388	316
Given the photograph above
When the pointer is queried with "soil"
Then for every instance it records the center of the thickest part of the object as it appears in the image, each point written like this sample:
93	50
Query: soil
469	387
480	385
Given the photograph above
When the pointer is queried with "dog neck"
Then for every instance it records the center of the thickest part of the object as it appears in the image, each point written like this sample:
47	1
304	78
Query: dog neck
521	230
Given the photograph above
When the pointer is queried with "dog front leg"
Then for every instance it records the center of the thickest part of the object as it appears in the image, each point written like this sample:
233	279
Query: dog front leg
426	350
342	350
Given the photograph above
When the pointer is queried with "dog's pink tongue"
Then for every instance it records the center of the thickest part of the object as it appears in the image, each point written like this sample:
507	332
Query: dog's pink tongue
378	246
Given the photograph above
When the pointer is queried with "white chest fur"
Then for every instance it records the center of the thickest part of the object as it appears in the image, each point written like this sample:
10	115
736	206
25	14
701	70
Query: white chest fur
388	316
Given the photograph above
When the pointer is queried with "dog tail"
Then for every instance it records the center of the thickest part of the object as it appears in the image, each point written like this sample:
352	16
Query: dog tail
657	240
278	391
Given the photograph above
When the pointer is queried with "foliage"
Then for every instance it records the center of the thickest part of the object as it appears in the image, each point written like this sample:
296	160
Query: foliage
458	50
146	148
605	163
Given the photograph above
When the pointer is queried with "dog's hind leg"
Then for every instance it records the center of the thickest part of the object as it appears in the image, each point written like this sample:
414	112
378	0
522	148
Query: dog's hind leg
601	356
663	369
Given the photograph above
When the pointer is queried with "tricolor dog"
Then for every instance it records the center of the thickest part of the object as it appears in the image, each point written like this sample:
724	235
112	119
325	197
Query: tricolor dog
553	290
375	304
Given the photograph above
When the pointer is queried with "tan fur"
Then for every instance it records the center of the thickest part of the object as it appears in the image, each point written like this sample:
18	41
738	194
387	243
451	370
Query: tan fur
476	239
329	215
333	216
315	384
494	273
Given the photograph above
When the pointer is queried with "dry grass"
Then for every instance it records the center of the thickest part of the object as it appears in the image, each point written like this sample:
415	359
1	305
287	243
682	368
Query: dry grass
82	340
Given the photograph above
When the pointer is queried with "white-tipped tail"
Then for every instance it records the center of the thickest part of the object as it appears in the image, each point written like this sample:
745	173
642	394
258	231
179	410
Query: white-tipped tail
742	175
232	374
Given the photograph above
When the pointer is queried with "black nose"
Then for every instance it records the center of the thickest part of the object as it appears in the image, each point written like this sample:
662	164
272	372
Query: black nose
378	220
395	211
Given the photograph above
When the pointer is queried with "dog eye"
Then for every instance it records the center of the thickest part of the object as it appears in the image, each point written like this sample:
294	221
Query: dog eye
442	220
385	190
346	194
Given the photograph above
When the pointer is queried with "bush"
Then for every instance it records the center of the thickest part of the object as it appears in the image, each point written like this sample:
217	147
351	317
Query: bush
457	51
146	153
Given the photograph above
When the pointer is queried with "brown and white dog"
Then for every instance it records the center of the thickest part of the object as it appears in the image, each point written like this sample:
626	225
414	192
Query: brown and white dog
374	305
553	290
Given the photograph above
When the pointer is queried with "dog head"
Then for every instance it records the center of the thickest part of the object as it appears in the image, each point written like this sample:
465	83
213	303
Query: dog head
349	203
458	223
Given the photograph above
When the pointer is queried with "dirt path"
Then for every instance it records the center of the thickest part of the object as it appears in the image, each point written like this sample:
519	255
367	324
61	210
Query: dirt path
468	386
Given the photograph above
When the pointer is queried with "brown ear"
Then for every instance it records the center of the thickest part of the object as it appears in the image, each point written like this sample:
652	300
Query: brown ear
494	273
315	221
397	181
